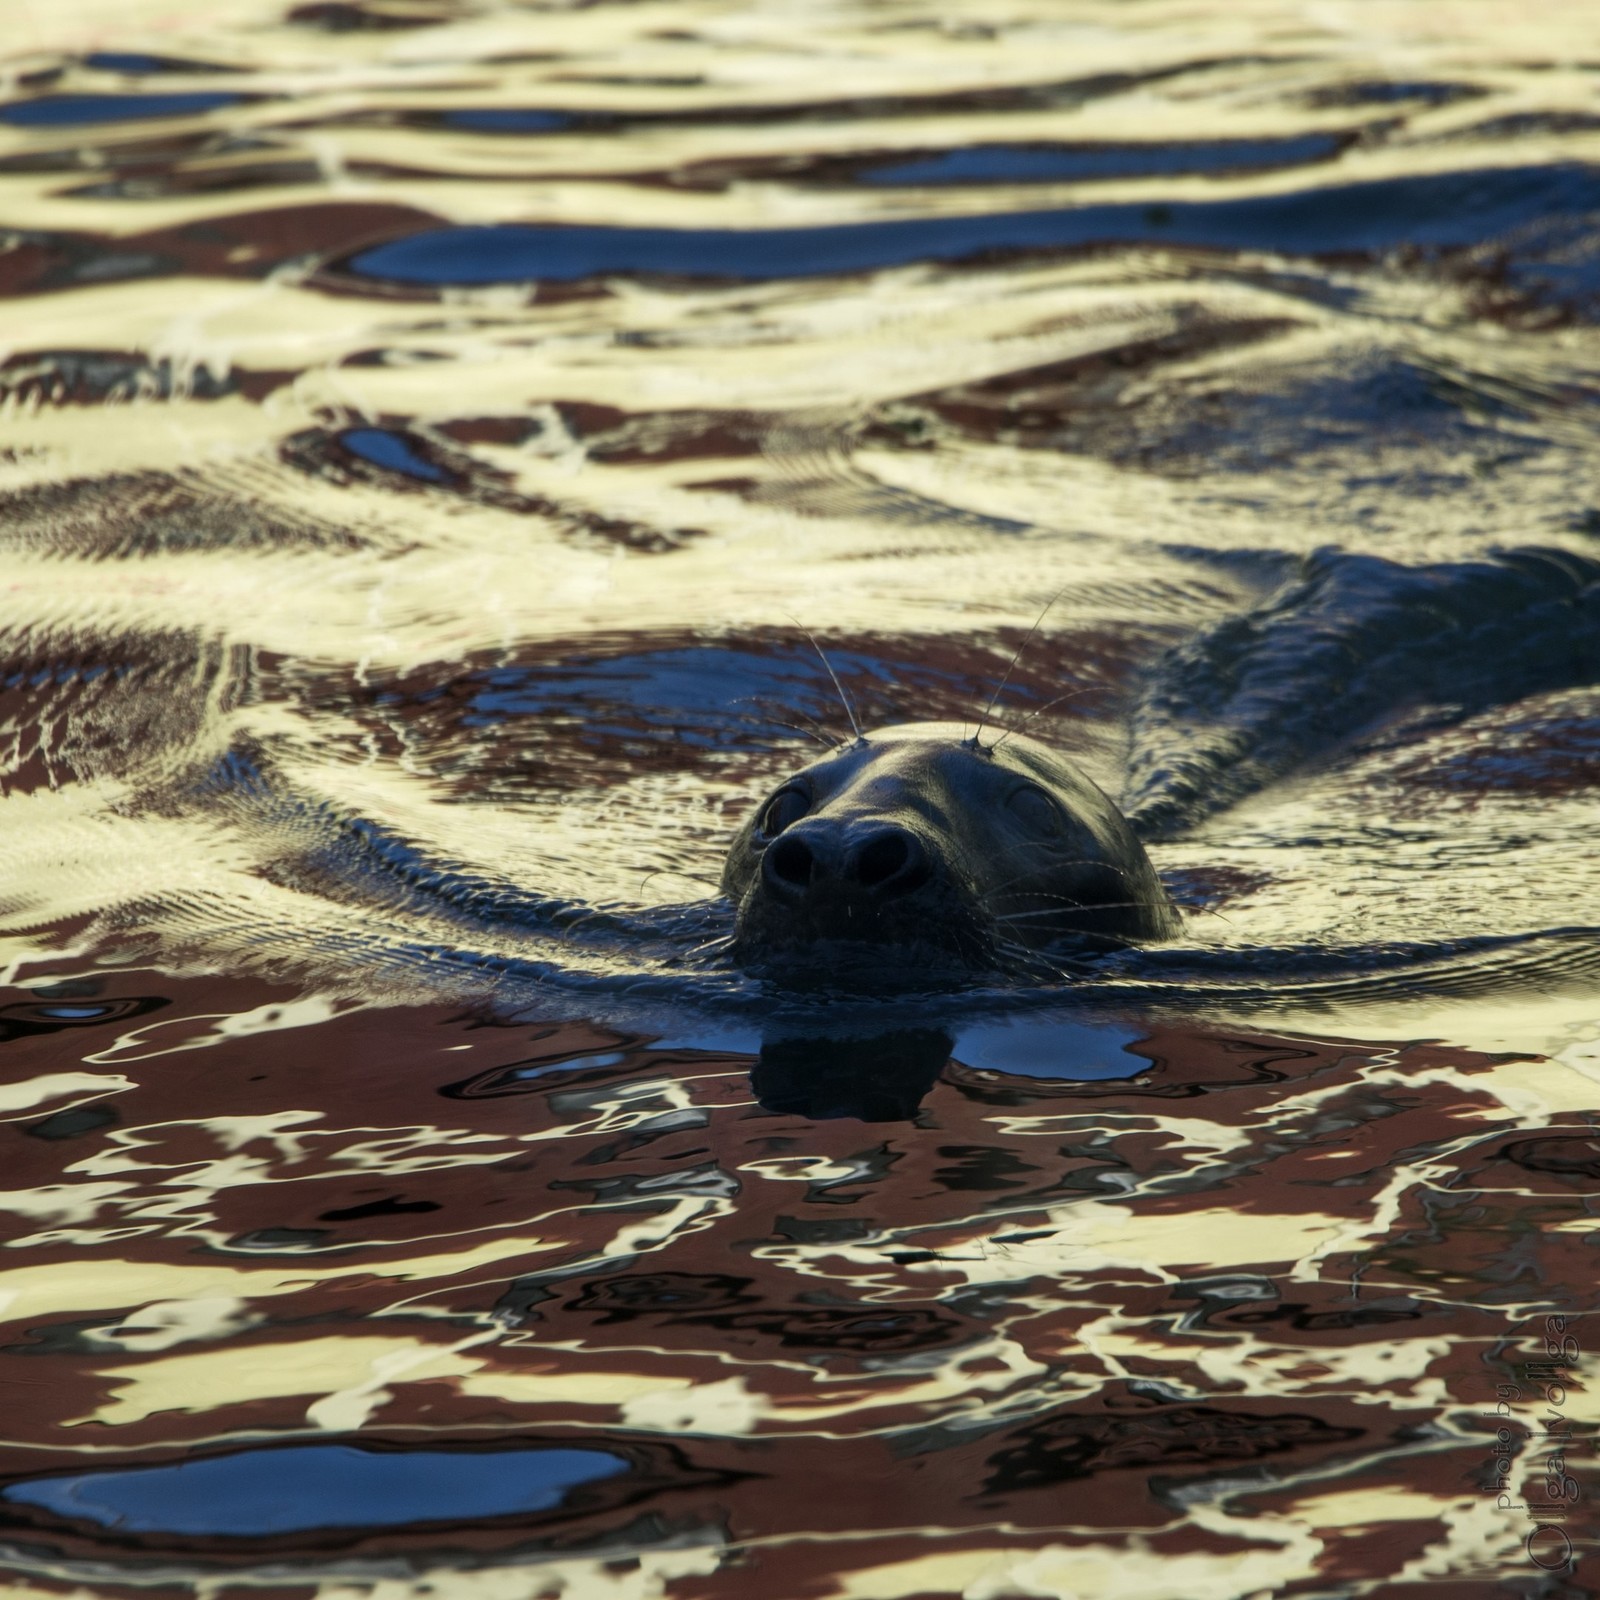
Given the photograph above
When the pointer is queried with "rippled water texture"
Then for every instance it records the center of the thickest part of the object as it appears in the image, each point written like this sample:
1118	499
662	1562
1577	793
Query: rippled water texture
430	431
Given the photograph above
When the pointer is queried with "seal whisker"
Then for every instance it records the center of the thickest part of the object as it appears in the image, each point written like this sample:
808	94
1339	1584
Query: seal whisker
1098	905
810	733
815	731
1026	640
677	872
844	699
1064	899
1039	711
1025	960
1066	861
1077	861
1104	934
1014	916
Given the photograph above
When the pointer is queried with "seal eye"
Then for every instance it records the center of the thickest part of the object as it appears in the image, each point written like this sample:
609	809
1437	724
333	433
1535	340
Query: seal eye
1035	810
787	806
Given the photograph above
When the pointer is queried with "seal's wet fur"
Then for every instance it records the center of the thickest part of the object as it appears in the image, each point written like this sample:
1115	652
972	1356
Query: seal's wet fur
917	851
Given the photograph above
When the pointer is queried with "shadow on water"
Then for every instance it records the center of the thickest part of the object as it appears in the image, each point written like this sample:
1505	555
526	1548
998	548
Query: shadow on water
879	1079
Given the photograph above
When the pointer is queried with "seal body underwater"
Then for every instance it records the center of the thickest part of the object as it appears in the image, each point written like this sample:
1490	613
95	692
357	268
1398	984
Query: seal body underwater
917	852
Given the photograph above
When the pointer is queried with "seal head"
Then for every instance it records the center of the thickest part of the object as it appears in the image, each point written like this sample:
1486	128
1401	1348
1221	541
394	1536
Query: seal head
917	852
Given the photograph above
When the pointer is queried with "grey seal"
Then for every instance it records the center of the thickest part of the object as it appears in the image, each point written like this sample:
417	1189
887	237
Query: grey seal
917	852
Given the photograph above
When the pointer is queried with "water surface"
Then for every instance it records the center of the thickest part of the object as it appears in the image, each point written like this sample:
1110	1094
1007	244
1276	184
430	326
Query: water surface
431	431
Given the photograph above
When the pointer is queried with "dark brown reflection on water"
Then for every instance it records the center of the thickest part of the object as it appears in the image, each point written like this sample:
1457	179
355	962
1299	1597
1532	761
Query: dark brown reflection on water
1243	1304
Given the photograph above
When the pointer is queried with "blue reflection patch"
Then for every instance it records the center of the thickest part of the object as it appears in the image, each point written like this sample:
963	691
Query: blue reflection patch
62	110
140	65
1014	163
704	696
1063	1051
384	448
509	121
1438	209
258	1492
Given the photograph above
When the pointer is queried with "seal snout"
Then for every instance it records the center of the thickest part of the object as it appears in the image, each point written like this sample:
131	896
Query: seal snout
913	854
820	860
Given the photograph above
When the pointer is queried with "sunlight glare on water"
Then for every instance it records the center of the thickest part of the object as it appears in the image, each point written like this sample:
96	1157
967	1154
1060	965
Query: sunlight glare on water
433	431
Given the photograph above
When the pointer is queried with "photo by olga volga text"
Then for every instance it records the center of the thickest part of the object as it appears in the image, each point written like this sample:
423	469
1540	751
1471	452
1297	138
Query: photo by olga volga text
1532	1416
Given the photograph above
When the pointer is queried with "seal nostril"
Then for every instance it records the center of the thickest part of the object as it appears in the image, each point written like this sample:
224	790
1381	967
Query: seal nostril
791	861
890	863
882	859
